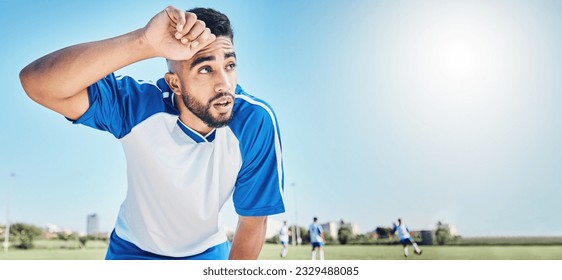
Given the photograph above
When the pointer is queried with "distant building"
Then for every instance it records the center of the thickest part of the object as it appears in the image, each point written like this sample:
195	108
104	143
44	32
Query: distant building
93	225
50	231
333	227
51	228
427	237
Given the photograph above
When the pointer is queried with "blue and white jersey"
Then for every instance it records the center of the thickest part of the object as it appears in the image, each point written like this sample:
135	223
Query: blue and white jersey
315	231
284	234
402	232
178	179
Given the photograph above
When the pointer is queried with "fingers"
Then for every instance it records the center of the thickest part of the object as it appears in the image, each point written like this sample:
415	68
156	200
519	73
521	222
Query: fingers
188	29
196	30
180	21
196	33
190	19
186	25
193	30
177	16
203	40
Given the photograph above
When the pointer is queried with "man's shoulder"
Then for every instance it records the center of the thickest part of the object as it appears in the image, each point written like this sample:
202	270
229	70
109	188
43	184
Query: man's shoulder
250	104
248	108
117	103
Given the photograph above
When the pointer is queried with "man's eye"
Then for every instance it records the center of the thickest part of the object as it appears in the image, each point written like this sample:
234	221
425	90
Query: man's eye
231	66
205	70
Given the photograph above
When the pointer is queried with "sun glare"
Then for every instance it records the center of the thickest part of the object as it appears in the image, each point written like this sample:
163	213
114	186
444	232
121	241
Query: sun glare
457	60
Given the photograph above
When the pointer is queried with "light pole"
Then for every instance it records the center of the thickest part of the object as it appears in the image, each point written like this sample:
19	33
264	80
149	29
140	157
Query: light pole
7	229
297	239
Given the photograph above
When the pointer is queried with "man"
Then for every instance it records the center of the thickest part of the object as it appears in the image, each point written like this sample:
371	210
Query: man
284	239
192	139
405	238
316	234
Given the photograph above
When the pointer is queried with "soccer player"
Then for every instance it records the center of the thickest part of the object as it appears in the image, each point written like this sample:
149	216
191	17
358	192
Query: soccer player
284	239
405	238
316	234
192	140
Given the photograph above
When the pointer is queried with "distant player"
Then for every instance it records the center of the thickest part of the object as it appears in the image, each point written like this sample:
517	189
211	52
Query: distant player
316	239
284	239
405	238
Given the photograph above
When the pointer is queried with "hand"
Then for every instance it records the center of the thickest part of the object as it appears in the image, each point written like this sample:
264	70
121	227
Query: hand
176	35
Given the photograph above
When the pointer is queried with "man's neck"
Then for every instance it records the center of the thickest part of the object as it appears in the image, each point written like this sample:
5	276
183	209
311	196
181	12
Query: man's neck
189	119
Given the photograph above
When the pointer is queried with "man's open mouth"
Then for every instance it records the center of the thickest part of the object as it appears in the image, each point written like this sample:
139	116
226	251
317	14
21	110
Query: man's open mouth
223	103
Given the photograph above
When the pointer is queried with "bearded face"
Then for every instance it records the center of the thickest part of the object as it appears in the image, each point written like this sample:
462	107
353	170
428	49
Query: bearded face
215	112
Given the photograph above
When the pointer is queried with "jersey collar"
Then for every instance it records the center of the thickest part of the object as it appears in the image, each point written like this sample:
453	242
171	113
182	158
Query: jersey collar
196	136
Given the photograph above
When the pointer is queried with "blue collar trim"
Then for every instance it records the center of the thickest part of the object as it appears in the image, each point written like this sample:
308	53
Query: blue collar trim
196	136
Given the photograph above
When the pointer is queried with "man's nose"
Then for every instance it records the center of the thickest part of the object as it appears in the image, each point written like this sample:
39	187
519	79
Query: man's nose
222	82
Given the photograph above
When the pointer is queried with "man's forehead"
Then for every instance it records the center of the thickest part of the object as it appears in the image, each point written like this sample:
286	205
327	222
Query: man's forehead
221	45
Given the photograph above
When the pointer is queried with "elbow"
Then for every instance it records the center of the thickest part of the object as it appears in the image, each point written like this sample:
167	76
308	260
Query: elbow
29	84
24	77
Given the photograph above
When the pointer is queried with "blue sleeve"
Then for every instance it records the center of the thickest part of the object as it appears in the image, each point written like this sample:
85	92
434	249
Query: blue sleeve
259	186
118	104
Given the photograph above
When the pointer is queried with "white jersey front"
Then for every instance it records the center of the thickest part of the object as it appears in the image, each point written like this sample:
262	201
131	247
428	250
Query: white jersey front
402	232
178	180
284	234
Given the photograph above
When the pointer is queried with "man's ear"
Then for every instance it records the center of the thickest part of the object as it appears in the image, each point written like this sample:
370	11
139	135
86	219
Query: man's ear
173	82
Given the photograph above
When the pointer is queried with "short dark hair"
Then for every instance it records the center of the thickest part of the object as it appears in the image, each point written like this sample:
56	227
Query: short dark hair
315	219
217	22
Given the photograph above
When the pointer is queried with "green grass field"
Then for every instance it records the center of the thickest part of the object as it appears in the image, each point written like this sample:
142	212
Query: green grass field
385	252
351	252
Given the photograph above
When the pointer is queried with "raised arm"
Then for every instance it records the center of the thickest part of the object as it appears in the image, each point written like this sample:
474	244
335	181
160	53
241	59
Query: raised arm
59	80
249	238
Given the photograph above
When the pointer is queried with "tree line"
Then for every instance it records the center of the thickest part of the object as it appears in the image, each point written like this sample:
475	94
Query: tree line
23	235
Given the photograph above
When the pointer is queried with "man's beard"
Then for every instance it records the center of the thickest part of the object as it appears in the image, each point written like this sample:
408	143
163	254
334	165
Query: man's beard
203	111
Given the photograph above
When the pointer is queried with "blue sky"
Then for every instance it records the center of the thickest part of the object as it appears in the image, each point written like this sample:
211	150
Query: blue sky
425	110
